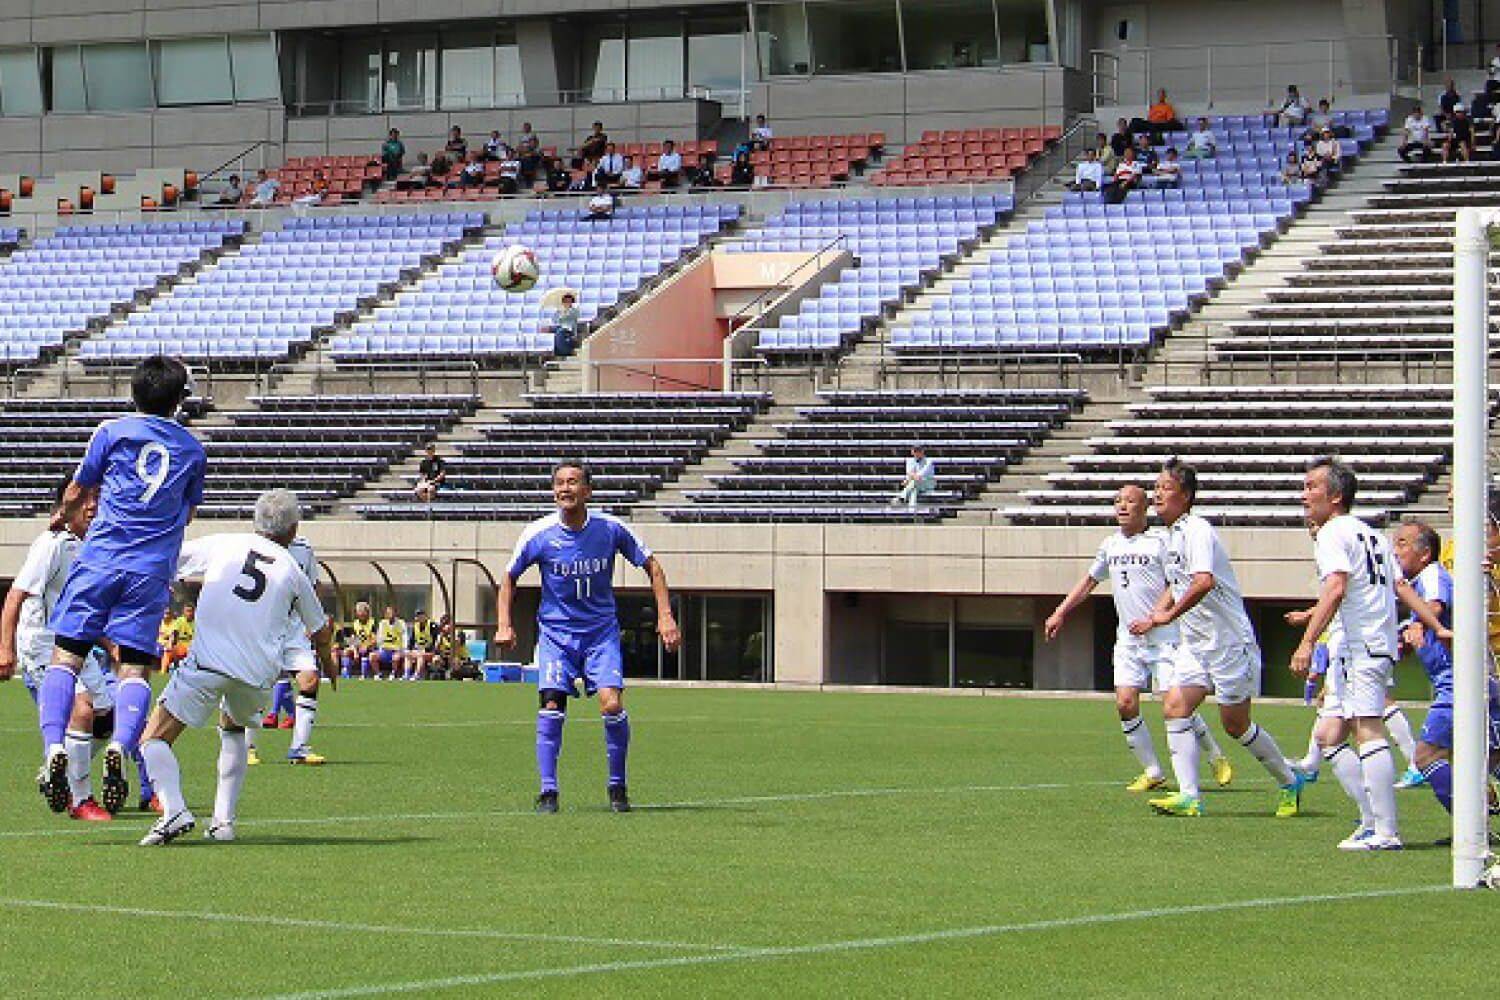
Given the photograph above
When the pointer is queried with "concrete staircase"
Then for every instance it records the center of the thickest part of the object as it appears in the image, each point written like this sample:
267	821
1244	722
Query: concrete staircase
720	461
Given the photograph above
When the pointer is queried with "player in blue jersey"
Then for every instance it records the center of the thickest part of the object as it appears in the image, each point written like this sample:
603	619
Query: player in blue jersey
578	629
145	471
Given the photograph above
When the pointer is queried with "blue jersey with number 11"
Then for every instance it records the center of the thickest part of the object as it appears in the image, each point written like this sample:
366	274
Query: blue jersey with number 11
577	568
150	473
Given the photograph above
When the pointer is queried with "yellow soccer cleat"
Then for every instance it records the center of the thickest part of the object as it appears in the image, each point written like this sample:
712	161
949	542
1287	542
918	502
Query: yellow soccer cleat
305	757
253	759
1289	797
1223	771
1178	804
1146	783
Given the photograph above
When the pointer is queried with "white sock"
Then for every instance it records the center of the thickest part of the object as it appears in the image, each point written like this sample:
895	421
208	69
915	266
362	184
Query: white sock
1138	738
250	732
234	760
1206	741
80	749
1345	765
1313	762
1265	750
166	778
1183	745
1380	781
1399	726
307	714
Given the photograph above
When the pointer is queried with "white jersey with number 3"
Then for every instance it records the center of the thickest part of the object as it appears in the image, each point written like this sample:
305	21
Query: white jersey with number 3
251	586
1137	578
1219	620
1366	620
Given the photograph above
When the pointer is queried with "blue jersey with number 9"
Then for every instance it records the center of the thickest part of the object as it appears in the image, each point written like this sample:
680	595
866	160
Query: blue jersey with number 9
150	473
577	568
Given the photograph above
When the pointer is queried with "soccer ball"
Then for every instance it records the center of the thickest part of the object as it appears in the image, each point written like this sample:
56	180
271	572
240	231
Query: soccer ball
515	268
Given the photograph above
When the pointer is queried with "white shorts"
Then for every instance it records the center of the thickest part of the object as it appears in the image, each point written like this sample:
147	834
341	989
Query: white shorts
1138	662
194	693
1355	687
297	655
1232	673
95	678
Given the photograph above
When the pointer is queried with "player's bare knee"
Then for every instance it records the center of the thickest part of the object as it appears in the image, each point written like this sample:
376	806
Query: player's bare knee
610	701
1128	703
1427	755
307	683
1236	719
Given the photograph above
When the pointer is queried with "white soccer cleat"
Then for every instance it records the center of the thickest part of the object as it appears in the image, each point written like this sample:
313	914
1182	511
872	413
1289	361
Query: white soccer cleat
1356	841
168	829
1369	840
220	831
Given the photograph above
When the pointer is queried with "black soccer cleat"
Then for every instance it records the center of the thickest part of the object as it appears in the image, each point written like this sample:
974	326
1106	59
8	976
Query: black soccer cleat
619	799
55	783
116	789
546	802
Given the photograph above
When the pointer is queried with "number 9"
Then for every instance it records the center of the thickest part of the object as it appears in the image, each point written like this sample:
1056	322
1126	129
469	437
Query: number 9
153	480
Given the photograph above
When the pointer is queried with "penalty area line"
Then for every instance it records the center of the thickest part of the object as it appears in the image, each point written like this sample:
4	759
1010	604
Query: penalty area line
858	944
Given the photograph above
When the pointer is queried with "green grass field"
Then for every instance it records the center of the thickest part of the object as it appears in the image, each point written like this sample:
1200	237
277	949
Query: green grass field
783	845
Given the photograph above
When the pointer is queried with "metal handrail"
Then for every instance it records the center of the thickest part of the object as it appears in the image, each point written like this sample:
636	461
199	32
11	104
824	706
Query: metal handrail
236	157
780	288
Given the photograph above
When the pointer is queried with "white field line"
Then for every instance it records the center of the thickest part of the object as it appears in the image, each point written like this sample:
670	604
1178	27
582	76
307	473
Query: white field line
858	944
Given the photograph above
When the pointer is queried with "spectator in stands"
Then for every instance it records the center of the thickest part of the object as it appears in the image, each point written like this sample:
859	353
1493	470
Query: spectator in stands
557	177
1447	102
1122	139
1202	144
1291	170
1168	173
1293	110
669	165
472	175
1145	153
564	327
1482	107
509	171
1416	136
1160	119
266	189
611	165
631	176
741	169
601	207
1329	150
1460	141
1314	170
592	147
585	179
494	146
453	653
702	175
529	149
920	480
1320	119
760	135
457	147
1105	153
315	192
438	170
1127	175
1089	174
393	154
432	472
233	192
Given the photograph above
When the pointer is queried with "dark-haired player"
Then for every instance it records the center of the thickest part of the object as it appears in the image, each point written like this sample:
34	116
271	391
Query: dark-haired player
578	629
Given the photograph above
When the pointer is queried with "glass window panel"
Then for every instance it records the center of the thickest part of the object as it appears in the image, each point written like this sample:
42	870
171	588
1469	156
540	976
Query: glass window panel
992	656
67	79
735	638
468	69
603	76
782	41
1023	30
714	56
20	82
948	34
117	76
359	75
916	654
655	57
193	71
257	73
411	72
510	86
857	37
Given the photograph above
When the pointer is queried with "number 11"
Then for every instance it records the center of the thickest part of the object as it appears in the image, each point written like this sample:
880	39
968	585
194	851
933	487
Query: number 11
584	585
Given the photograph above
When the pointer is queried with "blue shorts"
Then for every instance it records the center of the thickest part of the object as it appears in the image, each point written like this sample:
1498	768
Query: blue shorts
563	657
383	657
1437	728
125	608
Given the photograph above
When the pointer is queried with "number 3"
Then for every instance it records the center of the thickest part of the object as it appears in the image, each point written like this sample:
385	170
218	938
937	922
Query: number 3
153	480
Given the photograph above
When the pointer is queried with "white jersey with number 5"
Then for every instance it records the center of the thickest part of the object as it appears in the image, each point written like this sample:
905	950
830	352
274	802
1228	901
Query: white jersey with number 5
1366	620
1219	620
251	586
1133	566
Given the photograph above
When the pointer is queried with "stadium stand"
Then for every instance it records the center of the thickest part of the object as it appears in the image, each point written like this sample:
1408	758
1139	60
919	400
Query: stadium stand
339	179
459	310
817	161
844	460
962	155
44	438
324	447
73	280
273	298
633	444
1092	275
1251	443
899	243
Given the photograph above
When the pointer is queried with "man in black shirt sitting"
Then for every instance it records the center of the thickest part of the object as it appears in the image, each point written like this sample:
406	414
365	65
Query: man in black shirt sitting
433	470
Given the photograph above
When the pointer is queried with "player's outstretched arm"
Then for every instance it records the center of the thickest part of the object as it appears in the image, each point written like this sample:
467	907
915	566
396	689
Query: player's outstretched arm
1330	596
10	614
505	632
666	623
1082	589
1426	612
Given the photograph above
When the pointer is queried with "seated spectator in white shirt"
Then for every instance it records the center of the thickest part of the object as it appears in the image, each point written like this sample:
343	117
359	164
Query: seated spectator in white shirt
1291	170
601	206
669	164
1168	172
1417	137
631	176
232	193
611	165
1293	110
472	174
920	480
1089	174
1202	144
760	135
266	188
510	171
1320	119
494	146
1328	149
1314	170
1127	175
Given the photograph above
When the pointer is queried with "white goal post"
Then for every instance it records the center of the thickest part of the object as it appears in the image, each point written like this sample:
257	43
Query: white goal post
1471	251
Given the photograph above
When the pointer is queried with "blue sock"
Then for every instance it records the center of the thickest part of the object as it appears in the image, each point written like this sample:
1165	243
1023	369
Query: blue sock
132	705
147	792
55	703
617	745
289	701
277	694
549	730
1439	775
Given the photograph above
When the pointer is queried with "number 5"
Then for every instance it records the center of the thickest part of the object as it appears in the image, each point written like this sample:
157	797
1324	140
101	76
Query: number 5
153	480
257	577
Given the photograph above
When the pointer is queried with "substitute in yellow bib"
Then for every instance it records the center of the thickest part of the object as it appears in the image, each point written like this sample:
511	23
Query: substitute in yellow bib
421	646
359	642
176	637
390	644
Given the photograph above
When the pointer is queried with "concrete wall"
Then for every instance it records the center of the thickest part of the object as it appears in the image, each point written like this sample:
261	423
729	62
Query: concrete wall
676	321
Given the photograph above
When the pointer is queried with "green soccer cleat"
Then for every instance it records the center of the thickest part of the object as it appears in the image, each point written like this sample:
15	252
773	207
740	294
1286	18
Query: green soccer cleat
1411	779
1223	771
1178	804
1289	797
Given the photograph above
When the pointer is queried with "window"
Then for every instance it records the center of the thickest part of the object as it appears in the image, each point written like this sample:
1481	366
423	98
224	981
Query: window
468	69
67	78
603	65
781	38
510	85
949	34
715	57
359	75
117	76
654	70
855	37
257	74
193	71
1023	30
410	73
20	82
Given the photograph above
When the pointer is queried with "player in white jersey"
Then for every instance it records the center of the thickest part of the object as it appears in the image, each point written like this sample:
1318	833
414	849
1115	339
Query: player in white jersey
1131	560
251	587
1217	651
298	667
1358	581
